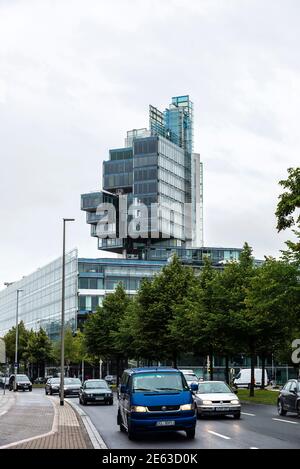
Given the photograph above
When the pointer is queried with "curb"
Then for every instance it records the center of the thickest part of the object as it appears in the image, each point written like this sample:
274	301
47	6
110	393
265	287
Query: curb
95	437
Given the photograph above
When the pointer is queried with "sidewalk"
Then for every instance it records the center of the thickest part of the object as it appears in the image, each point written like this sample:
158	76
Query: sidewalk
39	422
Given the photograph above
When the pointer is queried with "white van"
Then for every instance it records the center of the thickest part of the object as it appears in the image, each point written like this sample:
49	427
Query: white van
243	378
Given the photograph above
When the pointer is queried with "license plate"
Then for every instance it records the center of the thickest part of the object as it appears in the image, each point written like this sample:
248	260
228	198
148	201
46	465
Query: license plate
99	398
226	409
165	423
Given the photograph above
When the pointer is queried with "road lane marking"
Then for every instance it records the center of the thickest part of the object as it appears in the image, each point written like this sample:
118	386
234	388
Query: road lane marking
219	434
253	447
246	413
286	421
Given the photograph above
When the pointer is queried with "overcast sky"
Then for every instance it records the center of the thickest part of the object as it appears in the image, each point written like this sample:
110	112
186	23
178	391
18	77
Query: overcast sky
76	74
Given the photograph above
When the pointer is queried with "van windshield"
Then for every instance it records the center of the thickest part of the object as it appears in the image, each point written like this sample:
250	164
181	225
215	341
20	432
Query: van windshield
158	382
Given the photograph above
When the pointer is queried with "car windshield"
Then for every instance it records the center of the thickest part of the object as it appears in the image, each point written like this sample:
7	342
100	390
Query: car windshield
158	382
191	377
72	381
213	387
22	378
96	385
55	380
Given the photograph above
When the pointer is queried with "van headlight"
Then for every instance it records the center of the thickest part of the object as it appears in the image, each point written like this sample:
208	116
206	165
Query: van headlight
235	402
186	407
138	408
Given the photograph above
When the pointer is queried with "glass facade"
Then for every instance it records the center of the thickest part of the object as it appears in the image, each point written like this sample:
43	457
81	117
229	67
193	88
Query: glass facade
154	168
40	300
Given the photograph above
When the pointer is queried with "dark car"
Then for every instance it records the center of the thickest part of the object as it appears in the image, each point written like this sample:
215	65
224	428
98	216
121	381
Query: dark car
19	382
289	398
52	386
72	386
96	390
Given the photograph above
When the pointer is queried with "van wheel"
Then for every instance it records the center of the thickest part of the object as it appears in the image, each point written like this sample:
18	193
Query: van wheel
131	435
190	434
280	408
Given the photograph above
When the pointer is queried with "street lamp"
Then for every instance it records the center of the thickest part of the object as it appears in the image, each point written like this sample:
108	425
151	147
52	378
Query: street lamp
62	334
17	338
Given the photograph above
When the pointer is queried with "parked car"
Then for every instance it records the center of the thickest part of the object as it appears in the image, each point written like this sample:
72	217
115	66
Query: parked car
289	398
216	398
40	380
22	383
96	390
111	379
190	377
243	378
52	386
156	399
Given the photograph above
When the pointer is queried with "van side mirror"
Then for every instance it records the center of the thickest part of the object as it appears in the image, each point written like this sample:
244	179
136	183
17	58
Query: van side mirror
123	389
194	387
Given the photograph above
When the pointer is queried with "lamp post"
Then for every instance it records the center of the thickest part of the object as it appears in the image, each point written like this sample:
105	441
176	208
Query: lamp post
62	334
17	338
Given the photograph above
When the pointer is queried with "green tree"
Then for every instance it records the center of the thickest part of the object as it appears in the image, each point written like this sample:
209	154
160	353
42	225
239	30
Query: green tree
39	349
157	301
286	213
10	341
72	349
101	327
272	302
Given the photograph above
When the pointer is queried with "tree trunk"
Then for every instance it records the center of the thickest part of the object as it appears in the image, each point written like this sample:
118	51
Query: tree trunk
211	366
227	369
252	383
174	361
118	370
263	367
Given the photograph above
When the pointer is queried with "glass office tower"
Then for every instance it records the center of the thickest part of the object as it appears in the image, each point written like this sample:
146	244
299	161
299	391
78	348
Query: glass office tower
155	186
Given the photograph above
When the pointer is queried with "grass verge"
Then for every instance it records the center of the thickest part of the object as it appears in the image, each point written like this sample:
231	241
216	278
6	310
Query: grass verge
261	396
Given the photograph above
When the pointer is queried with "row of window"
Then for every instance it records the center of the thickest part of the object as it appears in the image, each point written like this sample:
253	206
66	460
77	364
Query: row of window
117	167
144	174
171	151
145	161
145	146
171	166
118	180
171	179
145	188
91	283
121	154
171	192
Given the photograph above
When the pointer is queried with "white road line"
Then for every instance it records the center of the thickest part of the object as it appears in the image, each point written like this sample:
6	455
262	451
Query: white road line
219	434
253	447
246	413
286	421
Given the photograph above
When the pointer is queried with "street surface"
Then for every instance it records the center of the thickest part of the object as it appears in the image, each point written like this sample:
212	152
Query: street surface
259	427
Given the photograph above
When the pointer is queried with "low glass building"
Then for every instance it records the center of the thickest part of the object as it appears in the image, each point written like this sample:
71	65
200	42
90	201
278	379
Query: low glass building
87	283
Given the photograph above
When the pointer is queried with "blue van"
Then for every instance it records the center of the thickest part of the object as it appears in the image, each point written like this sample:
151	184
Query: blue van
156	399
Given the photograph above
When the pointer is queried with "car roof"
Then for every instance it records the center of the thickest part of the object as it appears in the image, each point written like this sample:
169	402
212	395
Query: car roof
213	381
151	368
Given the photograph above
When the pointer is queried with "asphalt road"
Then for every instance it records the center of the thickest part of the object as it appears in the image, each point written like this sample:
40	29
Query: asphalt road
259	427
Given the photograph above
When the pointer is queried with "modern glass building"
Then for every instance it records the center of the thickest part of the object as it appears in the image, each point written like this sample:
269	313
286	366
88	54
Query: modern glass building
87	283
155	185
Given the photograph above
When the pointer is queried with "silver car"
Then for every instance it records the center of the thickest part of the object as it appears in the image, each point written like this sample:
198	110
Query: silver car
216	398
